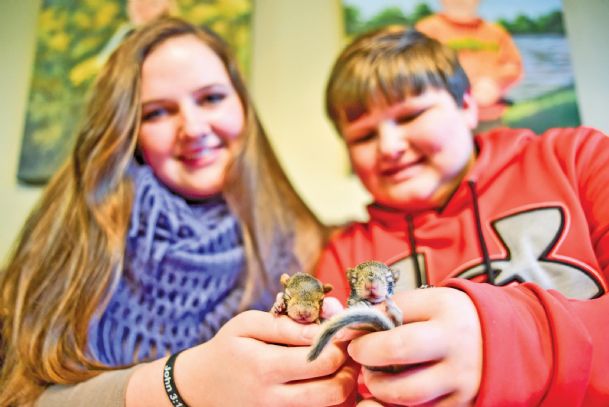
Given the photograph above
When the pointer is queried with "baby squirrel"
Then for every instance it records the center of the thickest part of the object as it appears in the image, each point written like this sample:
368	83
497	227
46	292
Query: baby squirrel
302	297
371	282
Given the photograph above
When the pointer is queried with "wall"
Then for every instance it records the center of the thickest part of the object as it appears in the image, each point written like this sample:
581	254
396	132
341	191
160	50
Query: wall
294	44
588	31
17	39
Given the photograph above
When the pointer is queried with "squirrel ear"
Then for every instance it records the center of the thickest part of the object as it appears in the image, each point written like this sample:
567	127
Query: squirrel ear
327	288
284	279
351	277
395	273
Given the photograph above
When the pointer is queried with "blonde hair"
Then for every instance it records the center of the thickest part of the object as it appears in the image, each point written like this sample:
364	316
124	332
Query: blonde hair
68	257
389	65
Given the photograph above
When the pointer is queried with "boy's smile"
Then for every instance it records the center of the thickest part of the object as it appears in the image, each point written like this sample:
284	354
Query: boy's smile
403	171
412	154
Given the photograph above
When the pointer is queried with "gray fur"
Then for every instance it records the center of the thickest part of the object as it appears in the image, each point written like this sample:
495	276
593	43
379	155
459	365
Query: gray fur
371	282
302	298
358	317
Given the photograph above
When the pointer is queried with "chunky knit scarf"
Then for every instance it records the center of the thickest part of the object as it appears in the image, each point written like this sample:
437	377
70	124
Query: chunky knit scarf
181	278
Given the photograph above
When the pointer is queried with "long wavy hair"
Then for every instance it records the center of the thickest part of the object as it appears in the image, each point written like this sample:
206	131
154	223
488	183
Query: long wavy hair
68	258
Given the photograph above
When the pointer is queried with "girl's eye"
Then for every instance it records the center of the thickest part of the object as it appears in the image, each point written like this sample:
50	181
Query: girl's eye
156	111
154	114
211	98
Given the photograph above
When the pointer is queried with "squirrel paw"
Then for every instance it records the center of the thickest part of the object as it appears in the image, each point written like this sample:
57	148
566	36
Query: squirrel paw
279	307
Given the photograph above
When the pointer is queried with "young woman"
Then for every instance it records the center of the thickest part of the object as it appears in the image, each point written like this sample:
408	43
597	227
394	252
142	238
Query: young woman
171	216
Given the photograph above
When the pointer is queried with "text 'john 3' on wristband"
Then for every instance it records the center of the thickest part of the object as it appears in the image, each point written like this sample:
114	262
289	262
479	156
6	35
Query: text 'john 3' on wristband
170	385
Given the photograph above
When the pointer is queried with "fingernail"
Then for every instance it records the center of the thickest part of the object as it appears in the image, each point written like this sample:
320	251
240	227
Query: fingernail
349	351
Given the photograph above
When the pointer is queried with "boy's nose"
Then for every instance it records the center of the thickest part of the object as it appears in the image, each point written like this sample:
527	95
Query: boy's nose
392	141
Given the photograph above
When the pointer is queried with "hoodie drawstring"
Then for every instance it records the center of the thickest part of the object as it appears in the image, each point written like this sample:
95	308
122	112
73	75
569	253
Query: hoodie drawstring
421	277
488	270
485	257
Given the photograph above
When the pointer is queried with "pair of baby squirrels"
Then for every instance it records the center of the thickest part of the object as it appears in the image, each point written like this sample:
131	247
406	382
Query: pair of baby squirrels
371	283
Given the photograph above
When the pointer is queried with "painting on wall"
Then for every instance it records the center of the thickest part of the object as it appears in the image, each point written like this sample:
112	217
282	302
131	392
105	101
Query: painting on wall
515	53
74	38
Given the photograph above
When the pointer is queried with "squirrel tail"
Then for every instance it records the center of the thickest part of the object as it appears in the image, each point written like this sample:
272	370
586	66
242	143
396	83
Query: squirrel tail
363	317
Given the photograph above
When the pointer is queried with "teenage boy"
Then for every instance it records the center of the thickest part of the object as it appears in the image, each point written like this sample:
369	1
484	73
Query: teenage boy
511	228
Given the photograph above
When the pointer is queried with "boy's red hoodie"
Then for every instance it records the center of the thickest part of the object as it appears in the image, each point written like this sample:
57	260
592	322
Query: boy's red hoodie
532	219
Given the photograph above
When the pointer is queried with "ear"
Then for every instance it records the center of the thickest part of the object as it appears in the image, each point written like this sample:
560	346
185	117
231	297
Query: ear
395	273
469	110
351	277
327	288
284	279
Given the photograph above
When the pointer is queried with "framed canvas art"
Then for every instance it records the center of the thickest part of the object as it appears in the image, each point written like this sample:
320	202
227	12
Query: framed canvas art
520	44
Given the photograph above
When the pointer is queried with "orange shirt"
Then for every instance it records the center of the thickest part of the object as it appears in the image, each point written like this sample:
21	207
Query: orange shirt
486	50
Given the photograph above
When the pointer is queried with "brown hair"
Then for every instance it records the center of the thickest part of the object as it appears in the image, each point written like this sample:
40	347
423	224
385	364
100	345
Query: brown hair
391	64
68	257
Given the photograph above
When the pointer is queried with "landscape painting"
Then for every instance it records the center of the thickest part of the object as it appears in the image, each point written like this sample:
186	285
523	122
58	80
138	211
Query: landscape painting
544	95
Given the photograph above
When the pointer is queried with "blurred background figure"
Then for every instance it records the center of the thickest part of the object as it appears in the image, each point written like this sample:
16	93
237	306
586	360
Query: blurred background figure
139	12
486	52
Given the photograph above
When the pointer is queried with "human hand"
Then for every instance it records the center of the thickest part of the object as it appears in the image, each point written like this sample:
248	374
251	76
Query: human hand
369	403
257	359
439	345
331	307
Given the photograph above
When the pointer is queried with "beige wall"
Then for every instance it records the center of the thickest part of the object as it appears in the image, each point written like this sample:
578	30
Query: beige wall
588	33
17	30
294	44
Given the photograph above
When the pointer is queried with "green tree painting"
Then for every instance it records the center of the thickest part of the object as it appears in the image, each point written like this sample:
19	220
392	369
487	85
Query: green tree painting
73	39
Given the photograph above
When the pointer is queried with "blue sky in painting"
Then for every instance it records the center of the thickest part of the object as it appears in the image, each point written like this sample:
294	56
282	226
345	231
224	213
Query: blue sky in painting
489	9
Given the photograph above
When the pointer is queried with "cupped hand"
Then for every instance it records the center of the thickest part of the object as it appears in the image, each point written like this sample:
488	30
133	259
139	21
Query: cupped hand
331	307
439	348
257	359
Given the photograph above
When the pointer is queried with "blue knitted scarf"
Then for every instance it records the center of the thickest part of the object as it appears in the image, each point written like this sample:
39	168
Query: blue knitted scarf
181	279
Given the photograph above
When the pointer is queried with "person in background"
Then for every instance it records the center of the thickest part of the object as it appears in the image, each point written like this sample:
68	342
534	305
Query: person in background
510	228
486	51
139	12
170	218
